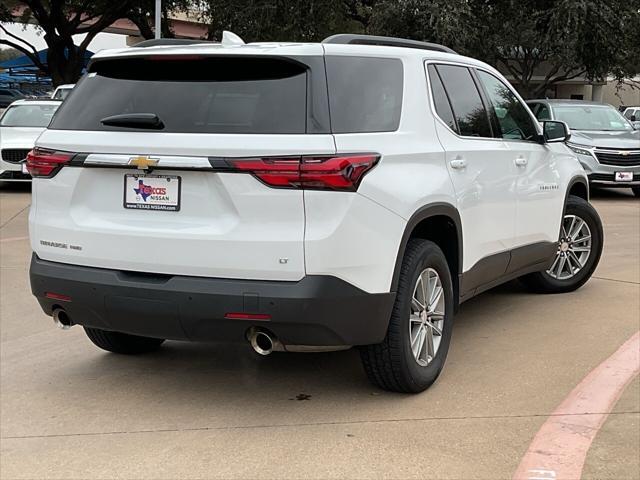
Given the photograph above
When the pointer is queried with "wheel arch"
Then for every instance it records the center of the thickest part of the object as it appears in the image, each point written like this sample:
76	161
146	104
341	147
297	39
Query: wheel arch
579	187
441	224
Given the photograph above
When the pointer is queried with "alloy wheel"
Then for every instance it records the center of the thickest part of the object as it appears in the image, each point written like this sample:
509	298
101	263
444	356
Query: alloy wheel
574	248
426	319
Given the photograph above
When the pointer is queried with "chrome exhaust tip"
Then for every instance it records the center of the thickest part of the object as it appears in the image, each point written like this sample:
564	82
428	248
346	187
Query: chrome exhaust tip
261	342
61	319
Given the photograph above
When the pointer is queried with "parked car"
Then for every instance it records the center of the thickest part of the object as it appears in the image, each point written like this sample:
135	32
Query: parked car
61	92
8	96
606	143
20	125
633	115
303	197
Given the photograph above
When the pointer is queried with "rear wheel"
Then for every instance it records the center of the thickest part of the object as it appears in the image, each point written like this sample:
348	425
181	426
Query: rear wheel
125	343
636	191
579	249
412	354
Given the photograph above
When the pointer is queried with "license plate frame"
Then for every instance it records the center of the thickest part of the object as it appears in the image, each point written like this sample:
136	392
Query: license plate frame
139	201
623	177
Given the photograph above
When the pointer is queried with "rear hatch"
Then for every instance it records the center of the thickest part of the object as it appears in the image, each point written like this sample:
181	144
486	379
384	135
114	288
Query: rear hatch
180	164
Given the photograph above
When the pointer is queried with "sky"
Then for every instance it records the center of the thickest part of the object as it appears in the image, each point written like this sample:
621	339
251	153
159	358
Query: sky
30	34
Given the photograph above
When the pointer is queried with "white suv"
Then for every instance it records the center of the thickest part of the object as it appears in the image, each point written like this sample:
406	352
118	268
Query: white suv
303	197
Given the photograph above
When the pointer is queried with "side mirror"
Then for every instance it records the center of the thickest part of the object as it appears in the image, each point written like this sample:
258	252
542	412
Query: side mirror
554	131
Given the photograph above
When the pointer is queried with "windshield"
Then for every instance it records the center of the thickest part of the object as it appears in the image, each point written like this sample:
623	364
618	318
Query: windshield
592	117
28	115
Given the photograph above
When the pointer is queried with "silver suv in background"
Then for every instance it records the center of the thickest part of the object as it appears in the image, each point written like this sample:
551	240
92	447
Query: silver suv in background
633	115
606	142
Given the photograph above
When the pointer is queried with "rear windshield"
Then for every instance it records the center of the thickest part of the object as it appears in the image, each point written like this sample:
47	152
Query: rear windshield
365	93
192	95
28	115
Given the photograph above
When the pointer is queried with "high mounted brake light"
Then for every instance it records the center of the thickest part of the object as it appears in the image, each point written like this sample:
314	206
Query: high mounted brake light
339	172
43	163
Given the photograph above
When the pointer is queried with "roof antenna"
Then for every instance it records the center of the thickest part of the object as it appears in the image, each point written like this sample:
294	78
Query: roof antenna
230	38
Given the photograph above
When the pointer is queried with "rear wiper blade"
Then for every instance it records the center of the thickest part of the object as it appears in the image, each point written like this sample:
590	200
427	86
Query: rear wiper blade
134	120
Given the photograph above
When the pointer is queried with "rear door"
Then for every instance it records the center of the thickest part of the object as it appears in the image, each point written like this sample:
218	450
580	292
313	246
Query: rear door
215	219
482	171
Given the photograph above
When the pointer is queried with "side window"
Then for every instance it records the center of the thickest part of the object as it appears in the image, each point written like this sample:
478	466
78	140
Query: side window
365	93
513	117
443	107
467	105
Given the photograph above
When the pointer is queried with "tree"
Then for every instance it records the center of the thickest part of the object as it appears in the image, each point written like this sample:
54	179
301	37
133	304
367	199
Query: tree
277	20
60	20
539	43
141	14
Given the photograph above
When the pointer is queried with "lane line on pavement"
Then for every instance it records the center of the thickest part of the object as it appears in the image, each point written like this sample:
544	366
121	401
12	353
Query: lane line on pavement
5	223
616	280
559	449
308	424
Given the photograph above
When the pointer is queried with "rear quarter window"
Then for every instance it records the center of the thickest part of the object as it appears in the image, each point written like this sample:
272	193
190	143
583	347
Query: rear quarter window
365	93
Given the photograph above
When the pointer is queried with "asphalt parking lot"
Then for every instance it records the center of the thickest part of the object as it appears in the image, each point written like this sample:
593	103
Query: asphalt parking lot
69	410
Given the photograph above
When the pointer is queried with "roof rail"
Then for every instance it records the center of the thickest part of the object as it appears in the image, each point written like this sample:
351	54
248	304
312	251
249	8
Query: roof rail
157	42
352	39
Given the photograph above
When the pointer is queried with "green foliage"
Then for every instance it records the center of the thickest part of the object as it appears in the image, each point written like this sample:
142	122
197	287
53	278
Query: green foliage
60	20
276	20
538	42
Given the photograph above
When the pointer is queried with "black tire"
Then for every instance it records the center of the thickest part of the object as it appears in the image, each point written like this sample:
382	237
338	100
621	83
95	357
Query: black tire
542	282
391	364
124	343
636	191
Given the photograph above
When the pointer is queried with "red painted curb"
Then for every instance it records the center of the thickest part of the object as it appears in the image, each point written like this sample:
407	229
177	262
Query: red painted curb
559	449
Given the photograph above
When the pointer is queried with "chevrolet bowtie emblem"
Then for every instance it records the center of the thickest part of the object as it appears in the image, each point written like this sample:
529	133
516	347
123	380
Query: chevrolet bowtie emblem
143	162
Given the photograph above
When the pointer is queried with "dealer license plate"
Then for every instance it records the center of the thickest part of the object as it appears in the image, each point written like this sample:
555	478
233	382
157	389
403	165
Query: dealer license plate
624	176
152	192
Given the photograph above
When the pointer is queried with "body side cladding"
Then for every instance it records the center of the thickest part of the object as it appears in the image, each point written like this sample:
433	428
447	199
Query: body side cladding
501	267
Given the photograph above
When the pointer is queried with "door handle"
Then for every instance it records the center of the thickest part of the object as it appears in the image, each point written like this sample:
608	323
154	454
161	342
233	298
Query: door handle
521	162
458	163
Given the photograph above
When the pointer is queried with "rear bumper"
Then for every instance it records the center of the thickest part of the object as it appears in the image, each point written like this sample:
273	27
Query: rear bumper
317	310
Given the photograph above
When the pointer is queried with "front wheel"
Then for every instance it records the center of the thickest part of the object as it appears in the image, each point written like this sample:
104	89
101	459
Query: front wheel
412	354
579	249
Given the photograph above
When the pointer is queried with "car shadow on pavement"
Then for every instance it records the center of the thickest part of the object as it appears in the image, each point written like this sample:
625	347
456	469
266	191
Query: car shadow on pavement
611	194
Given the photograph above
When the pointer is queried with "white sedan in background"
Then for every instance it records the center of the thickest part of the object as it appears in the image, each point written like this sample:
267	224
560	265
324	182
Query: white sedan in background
20	125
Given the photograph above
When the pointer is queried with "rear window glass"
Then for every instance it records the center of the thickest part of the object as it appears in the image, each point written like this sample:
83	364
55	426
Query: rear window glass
201	95
28	115
365	93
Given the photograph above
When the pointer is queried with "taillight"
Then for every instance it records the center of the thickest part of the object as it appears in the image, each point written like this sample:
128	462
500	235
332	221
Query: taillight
46	163
343	172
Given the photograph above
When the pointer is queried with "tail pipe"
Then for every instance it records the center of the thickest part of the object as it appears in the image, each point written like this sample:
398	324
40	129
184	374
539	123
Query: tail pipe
61	319
263	341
